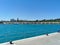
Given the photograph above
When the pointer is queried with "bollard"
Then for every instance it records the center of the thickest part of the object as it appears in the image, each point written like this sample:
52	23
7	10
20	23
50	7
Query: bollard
47	34
11	42
58	31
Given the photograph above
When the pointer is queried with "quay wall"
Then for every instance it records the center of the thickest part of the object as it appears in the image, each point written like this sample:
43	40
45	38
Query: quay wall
31	22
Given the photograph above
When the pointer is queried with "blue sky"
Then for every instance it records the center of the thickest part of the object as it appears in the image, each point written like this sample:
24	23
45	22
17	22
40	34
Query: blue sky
29	9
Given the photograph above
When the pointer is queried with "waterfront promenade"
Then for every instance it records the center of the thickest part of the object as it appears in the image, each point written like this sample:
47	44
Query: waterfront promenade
31	22
51	39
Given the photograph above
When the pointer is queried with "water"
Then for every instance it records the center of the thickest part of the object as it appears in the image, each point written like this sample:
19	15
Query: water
11	32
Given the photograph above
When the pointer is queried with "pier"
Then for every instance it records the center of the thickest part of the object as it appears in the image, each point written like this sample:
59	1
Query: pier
52	39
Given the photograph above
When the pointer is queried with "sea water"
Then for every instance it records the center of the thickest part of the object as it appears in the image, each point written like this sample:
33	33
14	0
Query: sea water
11	32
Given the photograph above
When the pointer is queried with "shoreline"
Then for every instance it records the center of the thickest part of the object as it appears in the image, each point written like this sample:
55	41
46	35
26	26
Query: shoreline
30	23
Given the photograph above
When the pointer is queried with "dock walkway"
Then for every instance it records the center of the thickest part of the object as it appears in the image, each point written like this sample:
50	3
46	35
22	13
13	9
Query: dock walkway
51	39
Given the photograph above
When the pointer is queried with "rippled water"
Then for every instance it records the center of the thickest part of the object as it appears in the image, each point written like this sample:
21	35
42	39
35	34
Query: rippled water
11	32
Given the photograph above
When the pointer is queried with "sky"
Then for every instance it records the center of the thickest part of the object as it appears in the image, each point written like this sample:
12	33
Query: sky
29	9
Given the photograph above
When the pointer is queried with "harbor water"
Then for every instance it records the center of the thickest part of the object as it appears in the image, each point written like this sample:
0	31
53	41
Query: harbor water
11	32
